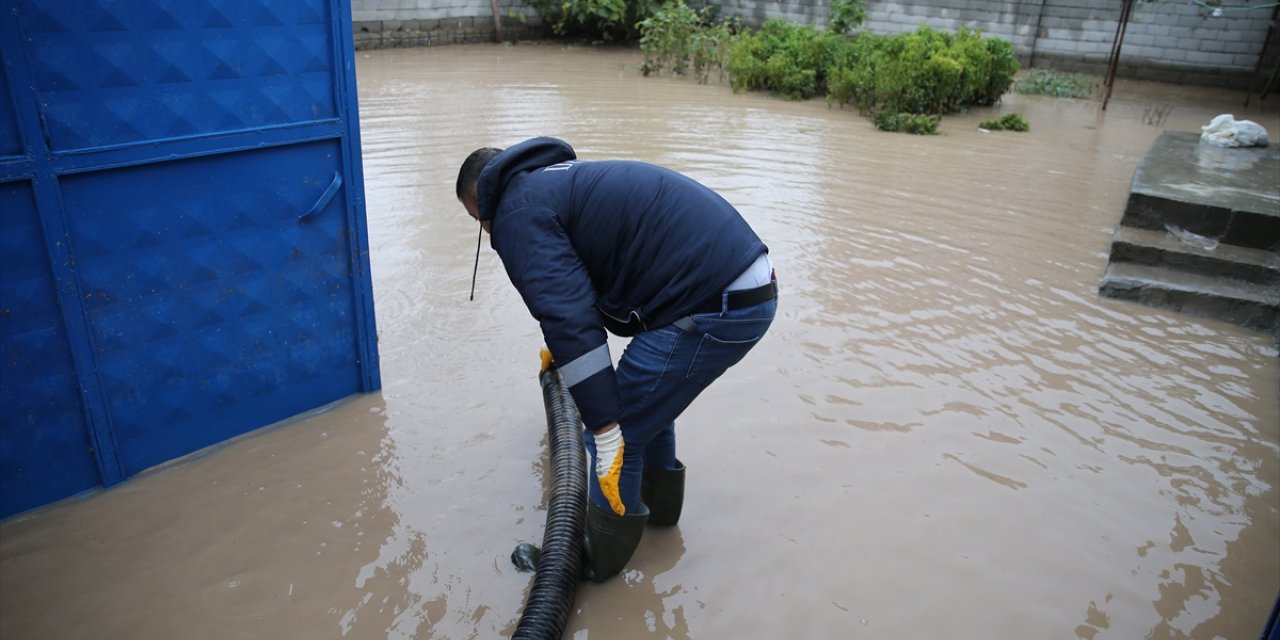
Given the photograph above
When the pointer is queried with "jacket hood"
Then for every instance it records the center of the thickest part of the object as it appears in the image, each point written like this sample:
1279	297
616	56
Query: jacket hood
534	153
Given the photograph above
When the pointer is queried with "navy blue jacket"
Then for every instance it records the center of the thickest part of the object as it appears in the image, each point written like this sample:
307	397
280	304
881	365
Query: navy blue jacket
621	244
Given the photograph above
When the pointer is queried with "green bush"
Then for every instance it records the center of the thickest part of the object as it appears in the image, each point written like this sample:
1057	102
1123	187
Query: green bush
790	59
926	71
708	48
1054	83
905	77
664	38
917	123
847	14
594	19
676	35
1010	122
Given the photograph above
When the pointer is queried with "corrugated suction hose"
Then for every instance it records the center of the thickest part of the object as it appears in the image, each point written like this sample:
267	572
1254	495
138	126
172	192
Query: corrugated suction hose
546	611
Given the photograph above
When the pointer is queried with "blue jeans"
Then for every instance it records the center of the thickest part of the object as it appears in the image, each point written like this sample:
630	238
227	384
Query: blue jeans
659	375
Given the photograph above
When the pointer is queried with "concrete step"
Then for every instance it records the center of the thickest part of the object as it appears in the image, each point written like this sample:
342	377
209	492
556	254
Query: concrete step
1252	305
1194	255
1231	195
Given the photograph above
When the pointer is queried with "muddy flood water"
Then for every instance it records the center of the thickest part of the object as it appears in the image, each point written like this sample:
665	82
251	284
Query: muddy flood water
945	434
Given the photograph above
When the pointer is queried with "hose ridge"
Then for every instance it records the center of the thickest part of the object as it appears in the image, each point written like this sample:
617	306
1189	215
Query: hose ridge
550	600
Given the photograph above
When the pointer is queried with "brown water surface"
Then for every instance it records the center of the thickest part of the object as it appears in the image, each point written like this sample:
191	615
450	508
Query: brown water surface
946	434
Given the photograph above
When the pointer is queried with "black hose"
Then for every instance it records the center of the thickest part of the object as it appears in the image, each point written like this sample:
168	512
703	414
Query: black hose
546	611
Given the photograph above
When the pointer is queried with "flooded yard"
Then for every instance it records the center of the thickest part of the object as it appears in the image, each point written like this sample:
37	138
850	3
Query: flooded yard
945	434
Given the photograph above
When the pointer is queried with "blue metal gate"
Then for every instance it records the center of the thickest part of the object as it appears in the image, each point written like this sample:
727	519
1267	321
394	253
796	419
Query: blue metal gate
183	250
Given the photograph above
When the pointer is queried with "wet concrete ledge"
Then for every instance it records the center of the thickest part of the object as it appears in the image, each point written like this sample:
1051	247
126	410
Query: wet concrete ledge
1201	233
1230	195
386	34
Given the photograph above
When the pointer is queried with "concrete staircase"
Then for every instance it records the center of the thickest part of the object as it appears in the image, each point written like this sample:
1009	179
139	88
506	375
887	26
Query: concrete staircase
1201	233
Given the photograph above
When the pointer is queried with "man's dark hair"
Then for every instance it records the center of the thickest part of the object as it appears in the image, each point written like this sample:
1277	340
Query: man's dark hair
471	168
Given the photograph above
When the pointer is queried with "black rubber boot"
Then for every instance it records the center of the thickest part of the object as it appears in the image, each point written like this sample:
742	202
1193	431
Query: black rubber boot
611	540
663	491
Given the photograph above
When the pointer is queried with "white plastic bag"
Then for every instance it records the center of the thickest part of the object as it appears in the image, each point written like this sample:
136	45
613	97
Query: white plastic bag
1226	131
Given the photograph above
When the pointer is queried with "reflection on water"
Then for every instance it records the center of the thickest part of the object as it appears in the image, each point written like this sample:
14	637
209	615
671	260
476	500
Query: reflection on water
944	419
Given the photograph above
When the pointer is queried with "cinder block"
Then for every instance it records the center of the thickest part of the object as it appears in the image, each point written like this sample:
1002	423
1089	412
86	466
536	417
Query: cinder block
1060	46
1210	58
1193	22
1093	47
1054	23
1240	47
1132	52
1244	60
946	24
1198	57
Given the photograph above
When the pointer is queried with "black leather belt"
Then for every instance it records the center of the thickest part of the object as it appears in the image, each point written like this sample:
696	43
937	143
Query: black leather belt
740	299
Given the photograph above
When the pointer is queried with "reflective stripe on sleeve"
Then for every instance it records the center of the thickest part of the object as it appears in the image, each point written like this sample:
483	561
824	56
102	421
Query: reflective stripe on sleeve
585	366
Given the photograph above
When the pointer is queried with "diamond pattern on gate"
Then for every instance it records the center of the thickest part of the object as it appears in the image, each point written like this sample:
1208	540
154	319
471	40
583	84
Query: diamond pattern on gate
204	305
10	145
41	416
113	73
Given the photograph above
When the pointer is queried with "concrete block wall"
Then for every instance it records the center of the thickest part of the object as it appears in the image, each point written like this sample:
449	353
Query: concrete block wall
415	23
1166	40
1012	20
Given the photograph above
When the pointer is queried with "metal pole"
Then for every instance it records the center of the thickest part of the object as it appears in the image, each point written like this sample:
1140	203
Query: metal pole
1271	29
497	21
1035	35
1114	62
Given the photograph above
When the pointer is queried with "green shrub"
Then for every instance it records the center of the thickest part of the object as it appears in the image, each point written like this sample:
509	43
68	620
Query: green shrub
793	60
789	59
847	14
664	38
676	35
594	19
1009	122
999	76
917	123
1054	83
709	46
905	77
926	71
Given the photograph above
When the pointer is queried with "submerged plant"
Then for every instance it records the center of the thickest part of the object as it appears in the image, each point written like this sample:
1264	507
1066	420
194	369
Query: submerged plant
917	123
1054	83
1008	122
594	19
789	59
1156	114
927	71
907	79
677	35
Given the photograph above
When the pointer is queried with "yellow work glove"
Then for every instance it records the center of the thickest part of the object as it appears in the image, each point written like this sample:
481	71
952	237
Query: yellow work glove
609	448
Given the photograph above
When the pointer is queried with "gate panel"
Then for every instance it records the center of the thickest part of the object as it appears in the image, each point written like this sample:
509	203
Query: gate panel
9	142
185	186
213	308
112	73
44	445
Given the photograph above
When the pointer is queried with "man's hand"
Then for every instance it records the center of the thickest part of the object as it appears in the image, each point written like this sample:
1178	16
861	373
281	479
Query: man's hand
609	448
